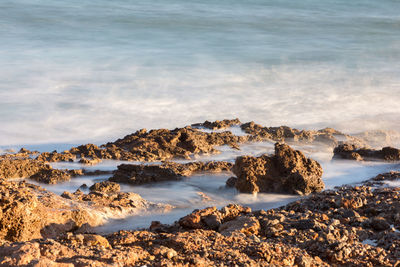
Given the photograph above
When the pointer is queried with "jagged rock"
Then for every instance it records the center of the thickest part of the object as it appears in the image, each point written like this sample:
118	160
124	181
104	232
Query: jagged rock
288	171
349	151
114	204
215	125
168	171
212	218
28	211
105	187
12	167
244	224
163	144
54	176
55	156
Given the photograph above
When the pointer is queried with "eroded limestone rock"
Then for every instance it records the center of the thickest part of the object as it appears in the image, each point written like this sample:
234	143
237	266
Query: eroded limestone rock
288	171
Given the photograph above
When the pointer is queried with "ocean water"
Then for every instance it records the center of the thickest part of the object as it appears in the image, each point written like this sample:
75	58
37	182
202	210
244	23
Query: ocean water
93	70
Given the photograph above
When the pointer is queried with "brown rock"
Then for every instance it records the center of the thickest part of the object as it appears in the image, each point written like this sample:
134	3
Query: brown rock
105	187
218	124
288	171
243	224
348	151
54	176
168	171
20	167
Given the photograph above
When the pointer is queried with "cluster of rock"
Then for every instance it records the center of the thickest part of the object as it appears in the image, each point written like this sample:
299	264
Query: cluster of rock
26	167
167	171
354	152
164	144
349	226
287	171
28	211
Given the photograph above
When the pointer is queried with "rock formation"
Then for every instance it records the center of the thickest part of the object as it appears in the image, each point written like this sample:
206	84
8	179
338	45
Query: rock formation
168	171
28	211
349	151
288	171
105	187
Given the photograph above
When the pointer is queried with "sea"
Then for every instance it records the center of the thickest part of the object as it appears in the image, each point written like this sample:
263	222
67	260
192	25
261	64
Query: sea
75	71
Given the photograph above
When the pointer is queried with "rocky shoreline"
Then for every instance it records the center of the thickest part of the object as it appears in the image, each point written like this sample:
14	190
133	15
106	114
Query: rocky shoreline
356	225
351	225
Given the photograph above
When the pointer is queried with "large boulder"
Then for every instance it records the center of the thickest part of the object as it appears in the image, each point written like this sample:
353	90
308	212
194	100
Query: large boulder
288	171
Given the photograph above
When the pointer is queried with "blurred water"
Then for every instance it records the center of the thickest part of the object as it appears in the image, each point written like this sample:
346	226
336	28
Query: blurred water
79	71
208	189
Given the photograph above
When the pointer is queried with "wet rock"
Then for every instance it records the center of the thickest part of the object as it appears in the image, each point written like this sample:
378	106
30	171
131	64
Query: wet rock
288	171
348	151
216	125
231	182
54	176
168	171
105	187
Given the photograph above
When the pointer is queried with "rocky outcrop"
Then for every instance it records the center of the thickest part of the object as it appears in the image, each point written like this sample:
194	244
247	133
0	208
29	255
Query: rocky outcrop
15	167
105	187
168	171
217	125
288	171
54	176
212	218
349	151
28	211
166	144
56	157
113	204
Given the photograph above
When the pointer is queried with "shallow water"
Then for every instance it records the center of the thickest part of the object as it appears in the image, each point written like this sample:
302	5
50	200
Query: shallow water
91	71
